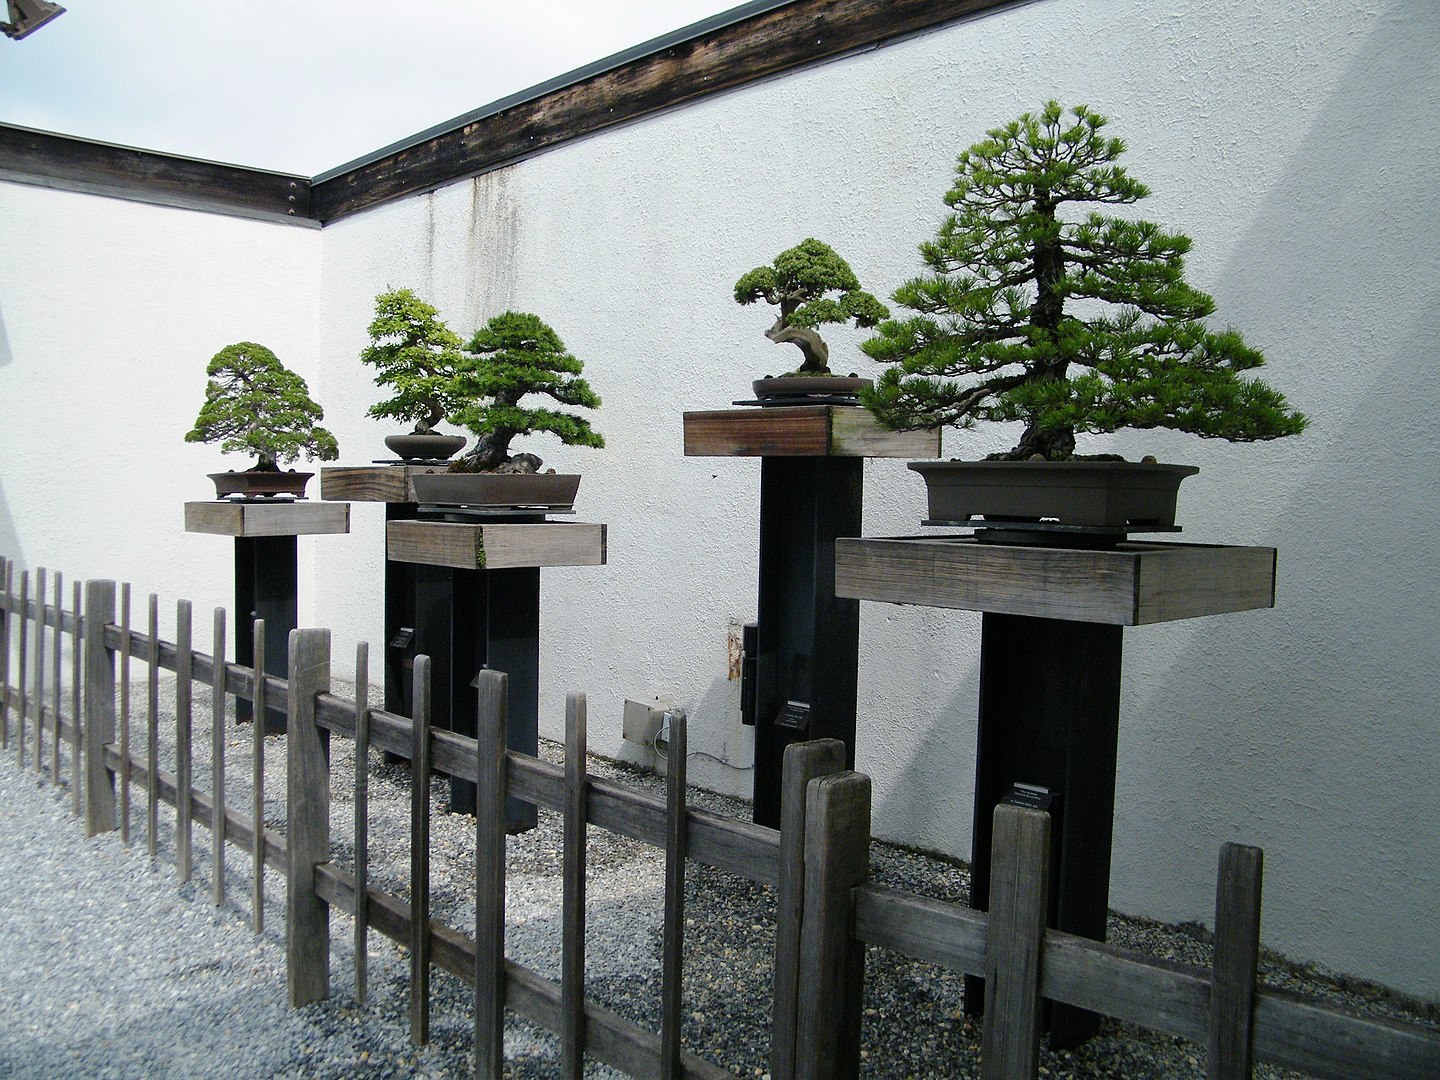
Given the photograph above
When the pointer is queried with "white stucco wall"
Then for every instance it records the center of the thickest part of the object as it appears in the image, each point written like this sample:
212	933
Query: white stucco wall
1295	144
109	312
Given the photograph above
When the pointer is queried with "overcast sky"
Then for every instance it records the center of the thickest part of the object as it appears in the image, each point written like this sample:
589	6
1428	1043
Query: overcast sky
306	85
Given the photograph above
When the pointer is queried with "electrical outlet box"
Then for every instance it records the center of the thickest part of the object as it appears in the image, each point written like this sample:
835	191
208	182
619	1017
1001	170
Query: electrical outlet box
642	722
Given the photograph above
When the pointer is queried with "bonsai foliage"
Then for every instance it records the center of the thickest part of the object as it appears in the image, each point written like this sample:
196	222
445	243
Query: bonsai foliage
416	354
798	283
1066	322
517	354
255	404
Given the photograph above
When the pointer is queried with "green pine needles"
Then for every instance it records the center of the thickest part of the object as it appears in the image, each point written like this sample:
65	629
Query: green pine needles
798	283
1065	322
417	355
256	405
517	354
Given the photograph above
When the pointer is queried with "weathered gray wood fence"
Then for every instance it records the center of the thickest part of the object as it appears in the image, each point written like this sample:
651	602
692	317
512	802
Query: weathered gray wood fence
827	909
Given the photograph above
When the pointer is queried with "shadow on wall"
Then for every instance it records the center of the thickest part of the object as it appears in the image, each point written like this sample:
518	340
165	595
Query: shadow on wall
1330	693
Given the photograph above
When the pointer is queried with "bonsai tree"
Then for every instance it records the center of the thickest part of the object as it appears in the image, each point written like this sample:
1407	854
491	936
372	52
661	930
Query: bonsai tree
1067	322
798	283
516	354
255	404
415	353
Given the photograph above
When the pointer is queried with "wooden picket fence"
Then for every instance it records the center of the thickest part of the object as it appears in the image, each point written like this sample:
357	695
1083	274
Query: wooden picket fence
827	908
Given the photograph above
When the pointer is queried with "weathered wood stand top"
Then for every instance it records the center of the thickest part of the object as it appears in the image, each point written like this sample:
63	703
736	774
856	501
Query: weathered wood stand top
801	431
372	483
249	519
802	683
495	545
1050	658
1129	585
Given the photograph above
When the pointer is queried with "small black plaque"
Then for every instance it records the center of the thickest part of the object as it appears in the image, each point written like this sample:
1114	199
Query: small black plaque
795	716
402	638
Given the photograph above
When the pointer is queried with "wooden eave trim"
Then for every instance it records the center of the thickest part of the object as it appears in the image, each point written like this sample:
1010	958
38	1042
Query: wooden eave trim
774	40
794	36
46	159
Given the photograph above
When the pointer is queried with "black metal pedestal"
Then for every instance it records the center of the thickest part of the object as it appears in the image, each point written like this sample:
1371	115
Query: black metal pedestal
807	638
265	588
1049	718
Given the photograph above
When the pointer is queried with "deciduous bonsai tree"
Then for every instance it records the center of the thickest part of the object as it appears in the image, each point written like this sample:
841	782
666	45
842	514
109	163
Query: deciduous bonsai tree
254	404
417	355
799	283
516	354
1067	321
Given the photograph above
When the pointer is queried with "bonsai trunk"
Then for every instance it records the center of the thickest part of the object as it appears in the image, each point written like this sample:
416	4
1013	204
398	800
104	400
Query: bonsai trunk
1052	444
809	342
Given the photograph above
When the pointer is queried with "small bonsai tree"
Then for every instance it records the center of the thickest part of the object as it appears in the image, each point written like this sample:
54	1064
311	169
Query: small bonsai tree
255	404
798	283
1067	323
515	354
416	354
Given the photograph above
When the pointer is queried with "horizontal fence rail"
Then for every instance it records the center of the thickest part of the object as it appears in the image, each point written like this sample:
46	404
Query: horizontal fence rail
828	910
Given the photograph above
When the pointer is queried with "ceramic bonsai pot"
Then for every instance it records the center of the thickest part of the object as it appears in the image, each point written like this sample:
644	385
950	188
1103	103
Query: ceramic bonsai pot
431	447
798	389
1106	494
260	483
549	491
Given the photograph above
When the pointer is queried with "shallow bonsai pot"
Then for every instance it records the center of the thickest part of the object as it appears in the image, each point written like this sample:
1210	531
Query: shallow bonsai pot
260	483
431	447
549	491
795	389
1107	494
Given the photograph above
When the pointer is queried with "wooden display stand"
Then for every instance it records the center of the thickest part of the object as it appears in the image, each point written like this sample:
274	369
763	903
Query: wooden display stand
265	573
477	588
1050	653
811	487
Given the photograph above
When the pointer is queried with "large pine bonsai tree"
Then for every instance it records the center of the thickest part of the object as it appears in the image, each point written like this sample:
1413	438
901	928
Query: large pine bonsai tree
516	354
798	283
416	354
254	404
1068	323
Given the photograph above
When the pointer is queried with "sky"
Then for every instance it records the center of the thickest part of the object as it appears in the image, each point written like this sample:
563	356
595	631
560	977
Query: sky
303	86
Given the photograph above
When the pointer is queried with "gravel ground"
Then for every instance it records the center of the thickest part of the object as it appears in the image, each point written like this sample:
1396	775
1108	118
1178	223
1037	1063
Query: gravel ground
112	968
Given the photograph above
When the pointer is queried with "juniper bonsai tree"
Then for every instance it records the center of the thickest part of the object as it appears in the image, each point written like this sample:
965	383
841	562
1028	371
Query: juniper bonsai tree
256	405
799	282
516	354
1069	323
415	353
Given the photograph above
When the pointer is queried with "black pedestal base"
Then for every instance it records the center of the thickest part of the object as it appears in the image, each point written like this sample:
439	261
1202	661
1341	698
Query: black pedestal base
265	588
1049	717
807	638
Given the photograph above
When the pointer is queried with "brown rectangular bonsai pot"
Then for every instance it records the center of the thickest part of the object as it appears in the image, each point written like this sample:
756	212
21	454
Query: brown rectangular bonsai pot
552	491
1110	494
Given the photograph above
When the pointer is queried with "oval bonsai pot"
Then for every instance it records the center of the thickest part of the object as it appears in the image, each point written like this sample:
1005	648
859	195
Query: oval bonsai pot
431	447
260	483
1107	494
794	389
549	491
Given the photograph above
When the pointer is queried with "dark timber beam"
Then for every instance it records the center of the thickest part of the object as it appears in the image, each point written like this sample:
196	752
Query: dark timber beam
774	40
743	45
70	164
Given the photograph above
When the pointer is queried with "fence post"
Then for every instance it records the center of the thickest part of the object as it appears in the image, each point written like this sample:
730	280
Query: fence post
1236	958
673	935
420	853
803	762
1019	900
832	962
5	573
490	790
99	708
573	854
307	801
